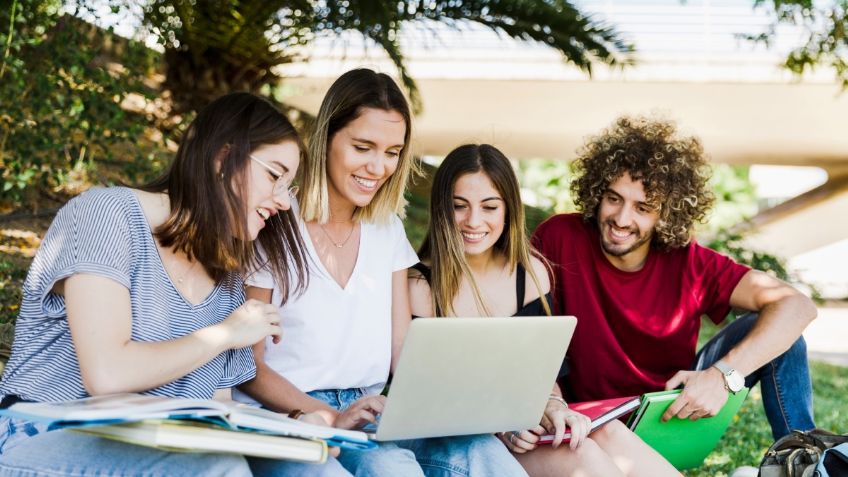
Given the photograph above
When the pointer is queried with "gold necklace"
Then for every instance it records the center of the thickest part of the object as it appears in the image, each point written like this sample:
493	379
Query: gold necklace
342	243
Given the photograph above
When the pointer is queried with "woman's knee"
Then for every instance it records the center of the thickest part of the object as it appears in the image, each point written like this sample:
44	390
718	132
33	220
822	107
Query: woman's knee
612	432
549	461
387	460
588	451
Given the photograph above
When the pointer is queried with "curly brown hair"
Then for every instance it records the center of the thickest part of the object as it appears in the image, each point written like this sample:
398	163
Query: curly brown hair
673	170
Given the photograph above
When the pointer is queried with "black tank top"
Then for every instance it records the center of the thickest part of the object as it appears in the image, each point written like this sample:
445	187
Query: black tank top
534	308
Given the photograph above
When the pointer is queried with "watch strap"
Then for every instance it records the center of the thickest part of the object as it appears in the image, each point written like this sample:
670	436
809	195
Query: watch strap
723	367
728	374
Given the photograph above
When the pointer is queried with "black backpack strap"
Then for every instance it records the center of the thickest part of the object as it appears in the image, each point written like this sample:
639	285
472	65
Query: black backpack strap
427	274
424	270
520	279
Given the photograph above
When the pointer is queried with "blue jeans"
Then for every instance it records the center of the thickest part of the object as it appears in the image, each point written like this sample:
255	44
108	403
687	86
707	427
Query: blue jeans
26	450
466	456
784	381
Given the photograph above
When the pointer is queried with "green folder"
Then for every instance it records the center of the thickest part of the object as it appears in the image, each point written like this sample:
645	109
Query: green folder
682	442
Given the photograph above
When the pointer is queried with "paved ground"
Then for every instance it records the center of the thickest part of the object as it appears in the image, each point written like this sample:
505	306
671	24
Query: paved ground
827	336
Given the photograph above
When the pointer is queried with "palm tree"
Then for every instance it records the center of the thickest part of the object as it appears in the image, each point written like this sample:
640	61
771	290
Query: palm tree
215	46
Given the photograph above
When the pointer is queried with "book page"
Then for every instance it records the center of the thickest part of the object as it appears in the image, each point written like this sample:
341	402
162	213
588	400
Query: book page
128	406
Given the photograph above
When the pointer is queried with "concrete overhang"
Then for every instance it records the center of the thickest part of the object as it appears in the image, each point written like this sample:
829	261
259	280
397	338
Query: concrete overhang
739	123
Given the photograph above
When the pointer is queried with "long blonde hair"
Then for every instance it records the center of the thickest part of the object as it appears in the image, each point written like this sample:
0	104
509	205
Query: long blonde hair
347	97
443	248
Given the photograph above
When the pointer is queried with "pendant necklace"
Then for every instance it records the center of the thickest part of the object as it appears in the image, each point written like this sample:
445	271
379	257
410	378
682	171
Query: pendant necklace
337	244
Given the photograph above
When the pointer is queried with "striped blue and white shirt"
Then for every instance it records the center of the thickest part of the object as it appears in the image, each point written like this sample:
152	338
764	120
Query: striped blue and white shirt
104	232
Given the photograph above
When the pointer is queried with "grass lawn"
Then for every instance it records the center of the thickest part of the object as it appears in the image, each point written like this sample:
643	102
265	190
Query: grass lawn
749	436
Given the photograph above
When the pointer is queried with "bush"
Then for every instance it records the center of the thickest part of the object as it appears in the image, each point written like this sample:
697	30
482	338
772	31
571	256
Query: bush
62	111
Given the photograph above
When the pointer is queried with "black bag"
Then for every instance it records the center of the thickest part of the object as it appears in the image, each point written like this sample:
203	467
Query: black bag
834	463
796	454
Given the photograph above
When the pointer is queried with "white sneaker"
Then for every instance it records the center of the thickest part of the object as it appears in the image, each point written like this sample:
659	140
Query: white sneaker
745	471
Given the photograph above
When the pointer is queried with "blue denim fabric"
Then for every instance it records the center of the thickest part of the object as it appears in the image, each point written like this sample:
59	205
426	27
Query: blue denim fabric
462	456
27	451
785	381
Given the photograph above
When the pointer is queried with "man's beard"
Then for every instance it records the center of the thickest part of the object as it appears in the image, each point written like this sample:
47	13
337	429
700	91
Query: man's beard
618	250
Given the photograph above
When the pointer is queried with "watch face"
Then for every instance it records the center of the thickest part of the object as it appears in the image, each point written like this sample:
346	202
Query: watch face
735	381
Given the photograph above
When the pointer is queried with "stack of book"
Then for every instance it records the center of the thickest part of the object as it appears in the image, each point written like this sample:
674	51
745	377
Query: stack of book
683	442
599	412
192	425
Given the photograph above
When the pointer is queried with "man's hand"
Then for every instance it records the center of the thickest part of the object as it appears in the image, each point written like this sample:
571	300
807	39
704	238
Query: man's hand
703	394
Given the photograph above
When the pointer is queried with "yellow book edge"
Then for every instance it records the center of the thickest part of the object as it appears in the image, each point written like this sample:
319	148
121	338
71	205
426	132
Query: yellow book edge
190	436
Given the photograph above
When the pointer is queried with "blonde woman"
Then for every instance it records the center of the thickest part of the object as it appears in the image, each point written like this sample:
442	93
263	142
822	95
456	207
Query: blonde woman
344	332
476	261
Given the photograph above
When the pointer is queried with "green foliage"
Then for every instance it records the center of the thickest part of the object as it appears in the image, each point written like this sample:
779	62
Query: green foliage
824	27
548	182
213	46
61	87
13	271
732	244
736	197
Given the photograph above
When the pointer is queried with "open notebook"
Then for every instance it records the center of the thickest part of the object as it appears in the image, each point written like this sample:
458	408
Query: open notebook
185	424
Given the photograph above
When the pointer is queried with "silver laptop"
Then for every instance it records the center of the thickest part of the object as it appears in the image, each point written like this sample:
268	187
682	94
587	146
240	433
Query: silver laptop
460	376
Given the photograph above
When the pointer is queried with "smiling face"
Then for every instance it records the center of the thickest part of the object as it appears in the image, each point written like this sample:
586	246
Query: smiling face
479	212
363	155
266	196
626	220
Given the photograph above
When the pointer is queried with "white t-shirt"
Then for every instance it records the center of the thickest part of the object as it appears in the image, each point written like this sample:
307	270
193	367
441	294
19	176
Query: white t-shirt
340	338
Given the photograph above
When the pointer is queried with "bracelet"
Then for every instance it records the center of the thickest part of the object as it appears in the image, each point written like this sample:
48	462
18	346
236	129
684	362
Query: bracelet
554	397
296	414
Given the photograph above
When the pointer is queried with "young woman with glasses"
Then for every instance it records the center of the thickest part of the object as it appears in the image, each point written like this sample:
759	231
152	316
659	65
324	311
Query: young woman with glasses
140	290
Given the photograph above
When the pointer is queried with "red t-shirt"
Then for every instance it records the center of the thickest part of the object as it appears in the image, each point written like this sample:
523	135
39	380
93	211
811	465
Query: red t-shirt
634	329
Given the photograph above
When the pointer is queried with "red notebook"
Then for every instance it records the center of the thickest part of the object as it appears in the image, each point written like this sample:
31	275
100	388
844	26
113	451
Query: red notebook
600	412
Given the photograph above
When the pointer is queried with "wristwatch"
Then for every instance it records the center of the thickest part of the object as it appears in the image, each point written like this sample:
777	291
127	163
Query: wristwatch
733	380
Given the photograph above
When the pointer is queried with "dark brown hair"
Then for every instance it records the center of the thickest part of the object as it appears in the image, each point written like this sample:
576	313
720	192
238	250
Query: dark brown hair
443	248
673	170
206	182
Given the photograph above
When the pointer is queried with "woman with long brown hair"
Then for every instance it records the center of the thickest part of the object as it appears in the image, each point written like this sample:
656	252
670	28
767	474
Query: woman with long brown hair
140	290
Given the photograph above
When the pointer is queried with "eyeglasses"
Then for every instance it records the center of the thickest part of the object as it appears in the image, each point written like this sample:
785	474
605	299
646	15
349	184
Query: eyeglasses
279	181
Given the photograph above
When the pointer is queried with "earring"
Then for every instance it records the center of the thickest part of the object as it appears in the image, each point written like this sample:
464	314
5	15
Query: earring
222	175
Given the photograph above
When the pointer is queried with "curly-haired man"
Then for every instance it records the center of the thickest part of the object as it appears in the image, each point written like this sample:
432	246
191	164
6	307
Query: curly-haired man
627	267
